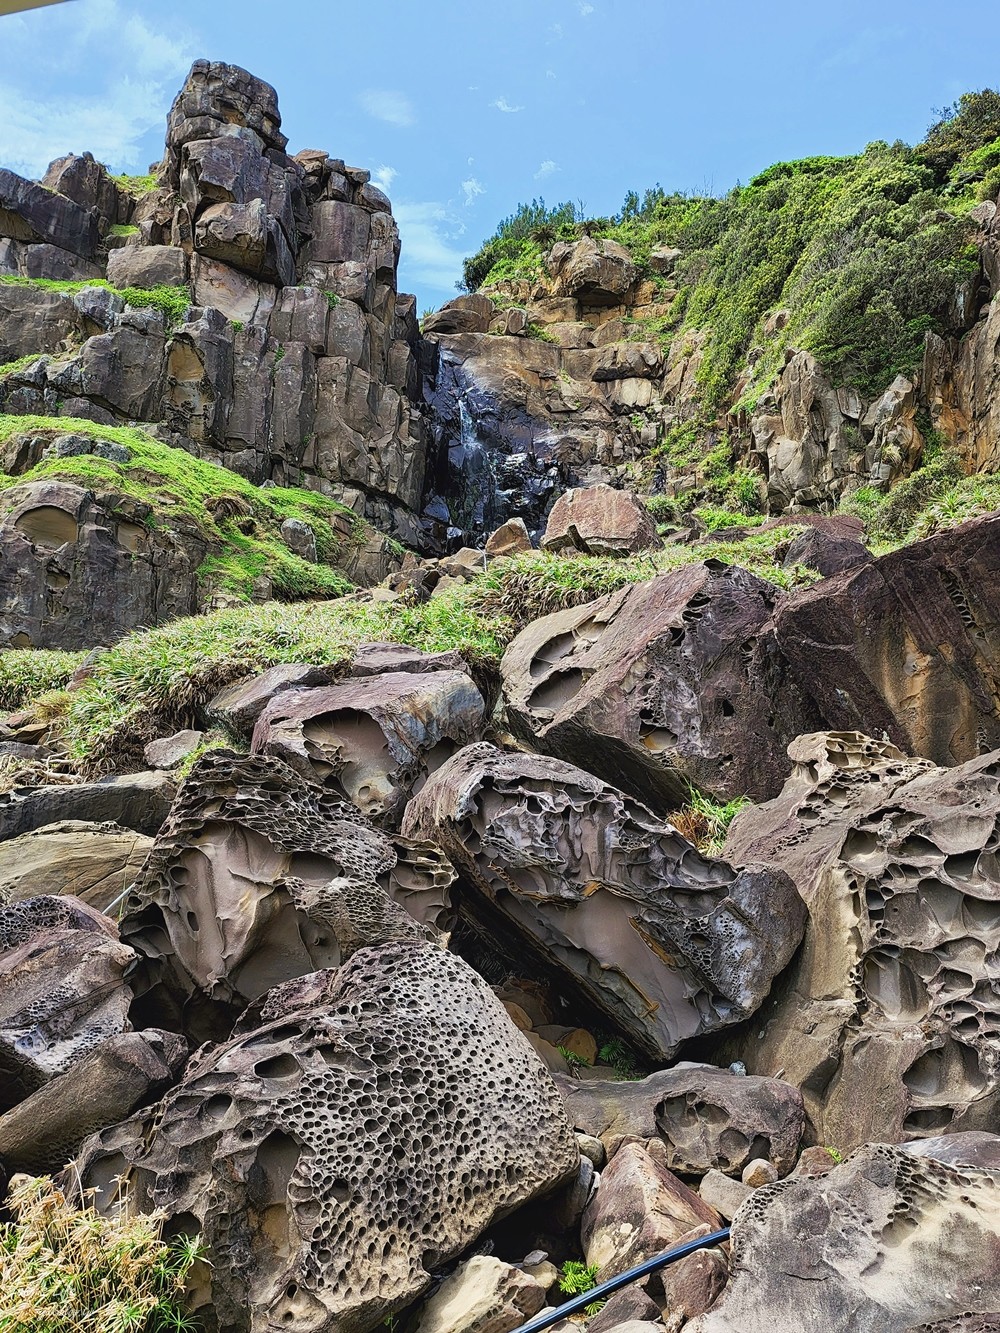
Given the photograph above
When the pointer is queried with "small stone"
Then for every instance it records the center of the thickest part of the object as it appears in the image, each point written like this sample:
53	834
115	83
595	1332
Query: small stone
299	538
759	1172
517	1016
510	538
169	751
815	1161
723	1193
592	1148
544	1272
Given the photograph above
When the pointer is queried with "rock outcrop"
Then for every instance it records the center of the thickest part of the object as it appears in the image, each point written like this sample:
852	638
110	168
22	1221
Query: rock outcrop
668	944
366	1131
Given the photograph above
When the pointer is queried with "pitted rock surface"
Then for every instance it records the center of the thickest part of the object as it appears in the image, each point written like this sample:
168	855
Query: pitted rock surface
365	1133
888	1019
62	990
256	877
885	1243
707	1118
668	944
663	683
373	740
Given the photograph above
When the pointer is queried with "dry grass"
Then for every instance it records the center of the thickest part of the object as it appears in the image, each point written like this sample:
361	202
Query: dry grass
69	1270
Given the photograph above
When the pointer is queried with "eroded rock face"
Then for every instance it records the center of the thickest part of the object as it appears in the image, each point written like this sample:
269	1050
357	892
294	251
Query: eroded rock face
62	990
373	740
887	1019
882	1244
944	590
256	877
371	1126
707	1118
668	944
673	681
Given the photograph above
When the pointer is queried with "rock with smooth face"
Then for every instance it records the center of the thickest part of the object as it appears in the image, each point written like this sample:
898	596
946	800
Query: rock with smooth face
598	520
91	861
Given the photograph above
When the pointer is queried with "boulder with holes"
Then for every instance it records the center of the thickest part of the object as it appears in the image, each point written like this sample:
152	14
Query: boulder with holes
705	1118
256	877
362	1130
62	990
886	1020
374	739
667	943
663	684
885	1243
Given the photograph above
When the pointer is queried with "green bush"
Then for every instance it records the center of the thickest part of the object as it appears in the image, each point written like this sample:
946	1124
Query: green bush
172	302
26	673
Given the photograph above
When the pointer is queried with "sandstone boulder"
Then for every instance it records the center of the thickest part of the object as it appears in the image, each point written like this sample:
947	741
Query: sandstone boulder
465	314
365	1132
44	1131
707	1118
237	707
134	801
256	877
663	684
665	942
885	1020
374	740
484	1295
62	990
29	212
90	861
147	266
511	538
882	1244
595	272
600	521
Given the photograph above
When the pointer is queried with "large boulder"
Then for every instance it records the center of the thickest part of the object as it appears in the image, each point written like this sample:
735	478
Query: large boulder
373	739
885	1243
886	1018
663	684
30	212
136	801
944	590
62	990
598	520
256	877
465	314
365	1132
707	1119
93	862
594	272
668	944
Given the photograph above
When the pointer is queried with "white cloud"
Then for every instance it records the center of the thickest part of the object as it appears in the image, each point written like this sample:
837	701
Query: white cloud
471	188
551	74
557	32
384	176
502	104
585	9
395	108
429	256
546	168
84	77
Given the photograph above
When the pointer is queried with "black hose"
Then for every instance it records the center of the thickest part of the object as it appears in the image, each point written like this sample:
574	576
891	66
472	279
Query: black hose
549	1317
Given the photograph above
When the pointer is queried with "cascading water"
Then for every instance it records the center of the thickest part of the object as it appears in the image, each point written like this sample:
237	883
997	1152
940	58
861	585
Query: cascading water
487	464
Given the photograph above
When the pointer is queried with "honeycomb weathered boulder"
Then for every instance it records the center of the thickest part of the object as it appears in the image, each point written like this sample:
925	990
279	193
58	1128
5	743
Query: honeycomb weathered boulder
93	862
256	877
367	1131
667	943
62	990
707	1118
45	1130
886	1019
882	1244
598	520
663	683
373	739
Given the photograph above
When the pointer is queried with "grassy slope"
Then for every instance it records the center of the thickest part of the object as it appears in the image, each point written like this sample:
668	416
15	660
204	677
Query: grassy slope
865	253
178	485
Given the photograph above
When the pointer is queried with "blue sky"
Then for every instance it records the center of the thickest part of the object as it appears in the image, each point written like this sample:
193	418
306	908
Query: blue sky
463	109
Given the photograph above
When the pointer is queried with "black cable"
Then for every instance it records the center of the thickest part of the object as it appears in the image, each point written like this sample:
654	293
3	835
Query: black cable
547	1318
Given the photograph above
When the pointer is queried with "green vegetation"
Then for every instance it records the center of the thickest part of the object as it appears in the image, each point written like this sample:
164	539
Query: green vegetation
154	681
136	186
864	254
172	302
65	1269
934	497
620	1056
575	1277
27	673
572	1059
121	229
21	363
240	521
705	822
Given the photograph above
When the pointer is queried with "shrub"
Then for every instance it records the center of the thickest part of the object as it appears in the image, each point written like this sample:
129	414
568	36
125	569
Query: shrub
26	673
172	302
66	1269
